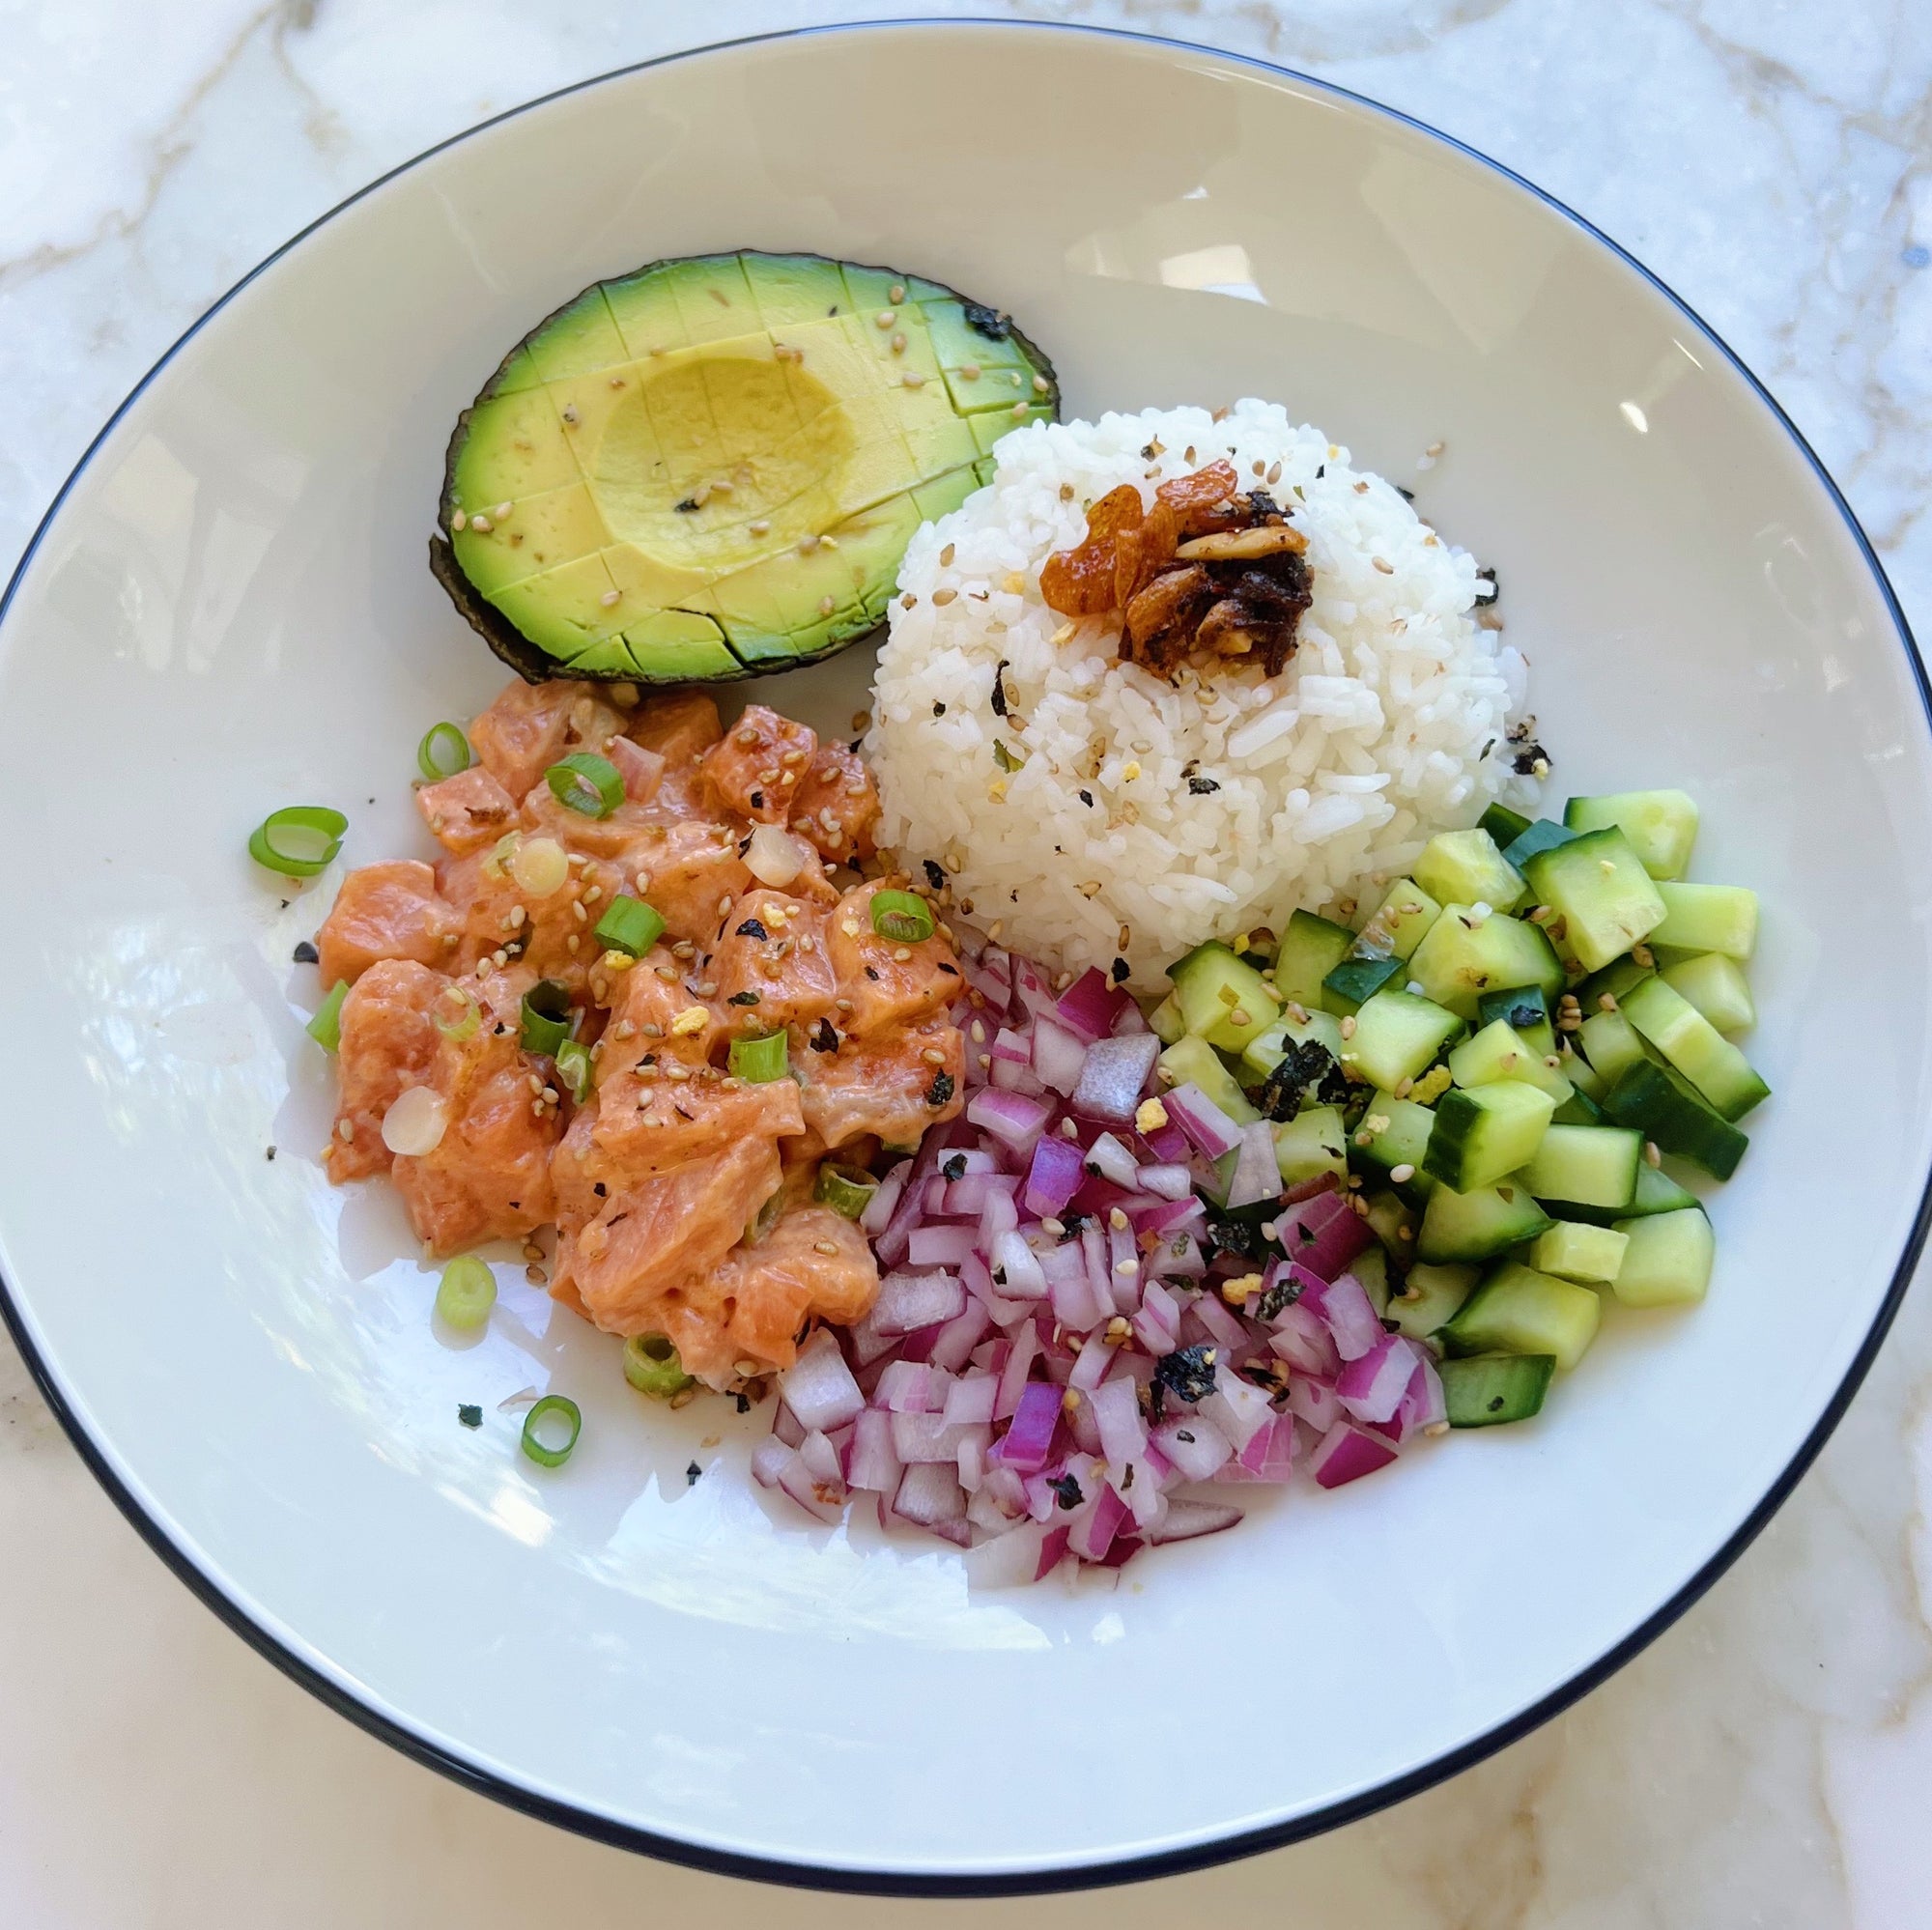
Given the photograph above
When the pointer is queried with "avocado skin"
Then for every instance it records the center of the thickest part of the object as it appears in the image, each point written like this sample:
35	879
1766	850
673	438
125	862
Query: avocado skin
536	665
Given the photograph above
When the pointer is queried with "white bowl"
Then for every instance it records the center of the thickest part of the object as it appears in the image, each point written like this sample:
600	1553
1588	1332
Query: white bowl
228	609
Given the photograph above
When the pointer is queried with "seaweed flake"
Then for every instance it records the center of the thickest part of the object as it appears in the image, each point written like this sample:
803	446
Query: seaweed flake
935	876
758	800
751	928
941	1091
954	1167
1202	787
1407	494
1187	1372
986	322
939	710
1240	1238
1308	1063
1066	1487
1000	689
1284	1293
1261	504
823	1038
306	953
1122	971
470	1415
1495	586
691	1474
745	997
1527	759
687	507
1087	798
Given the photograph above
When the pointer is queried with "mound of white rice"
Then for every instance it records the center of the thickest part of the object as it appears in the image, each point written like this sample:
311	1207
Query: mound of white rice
1197	809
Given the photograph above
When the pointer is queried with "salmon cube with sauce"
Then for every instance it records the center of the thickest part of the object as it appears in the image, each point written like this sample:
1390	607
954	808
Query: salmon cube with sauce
836	805
893	1085
468	811
885	982
771	966
387	1044
392	910
757	767
532	727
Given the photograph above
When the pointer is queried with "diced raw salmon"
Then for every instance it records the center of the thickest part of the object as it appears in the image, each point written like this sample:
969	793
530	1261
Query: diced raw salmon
883	983
468	811
679	727
894	1084
550	937
771	966
642	771
392	910
388	1044
813	1265
692	868
531	725
756	768
836	805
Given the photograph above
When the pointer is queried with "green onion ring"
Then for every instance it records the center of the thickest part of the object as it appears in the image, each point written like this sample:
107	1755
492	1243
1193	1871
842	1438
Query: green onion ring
573	1417
547	1017
652	1367
847	1189
760	1058
317	834
629	925
465	1020
325	1027
901	917
573	1067
466	1294
586	785
444	751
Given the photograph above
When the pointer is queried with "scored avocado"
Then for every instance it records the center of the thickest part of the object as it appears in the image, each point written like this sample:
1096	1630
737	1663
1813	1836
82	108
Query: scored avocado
710	468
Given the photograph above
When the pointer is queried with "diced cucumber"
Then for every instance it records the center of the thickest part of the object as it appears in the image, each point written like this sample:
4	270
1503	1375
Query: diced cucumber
1667	1262
1657	1192
1664	1106
1662	826
1588	1255
1578	1109
1618	977
1612	1045
1464	868
1504	825
1478	1225
1355	979
1313	1141
1664	1015
1715	986
1222	999
1488	1390
1526	1008
1264	1053
1580	1073
1518	1309
1309	950
1392	1221
1395	1036
1707	917
1165	1021
1600	889
1500	1052
1396	925
1370	1266
1193	1061
1540	835
1589	1166
1484	1133
1429	1296
1403	1137
1461	956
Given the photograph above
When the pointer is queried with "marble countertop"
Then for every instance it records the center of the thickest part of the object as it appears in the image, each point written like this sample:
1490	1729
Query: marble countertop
1765	1762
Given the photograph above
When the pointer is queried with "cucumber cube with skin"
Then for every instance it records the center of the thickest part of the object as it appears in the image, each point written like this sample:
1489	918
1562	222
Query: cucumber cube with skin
1518	1309
1429	1296
1392	1221
1715	986
1194	1062
1477	1225
1223	1000
1611	1044
1355	979
1586	1165
1314	1141
1657	1192
1165	1021
1667	1262
1578	1109
1690	1042
1488	1390
1540	835
1662	1105
1526	1008
1309	950
1581	1074
1500	1052
1618	977
1370	1267
1504	825
1707	917
1597	886
1396	925
1662	826
1397	1035
1590	1255
1395	1132
1485	1133
1463	956
1264	1052
1464	868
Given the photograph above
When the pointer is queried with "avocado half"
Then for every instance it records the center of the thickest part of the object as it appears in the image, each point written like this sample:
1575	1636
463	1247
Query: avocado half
710	468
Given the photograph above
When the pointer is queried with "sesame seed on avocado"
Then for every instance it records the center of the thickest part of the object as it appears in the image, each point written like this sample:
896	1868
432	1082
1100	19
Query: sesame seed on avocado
710	468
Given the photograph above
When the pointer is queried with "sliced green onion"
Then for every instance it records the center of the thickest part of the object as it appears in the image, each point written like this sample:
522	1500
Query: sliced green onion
630	925
565	1411
325	1027
765	1218
444	751
456	1014
573	1067
847	1189
466	1293
652	1367
547	1017
901	917
586	784
299	841
761	1059
1004	758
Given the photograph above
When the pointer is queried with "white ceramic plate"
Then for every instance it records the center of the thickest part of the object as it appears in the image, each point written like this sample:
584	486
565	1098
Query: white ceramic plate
229	610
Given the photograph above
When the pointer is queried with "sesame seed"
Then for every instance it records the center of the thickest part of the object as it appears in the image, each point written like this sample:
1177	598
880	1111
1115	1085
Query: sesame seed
1019	412
1070	1400
969	371
1349	1027
1383	565
610	597
934	1057
807	545
902	954
700	496
826	606
1402	1173
1040	384
344	1131
896	294
1606	1002
1651	1154
761	528
943	597
502	510
912	379
480	524
898	344
570	413
459	521
884	318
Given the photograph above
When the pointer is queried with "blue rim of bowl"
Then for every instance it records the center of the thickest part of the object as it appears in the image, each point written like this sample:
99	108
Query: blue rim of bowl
1044	1880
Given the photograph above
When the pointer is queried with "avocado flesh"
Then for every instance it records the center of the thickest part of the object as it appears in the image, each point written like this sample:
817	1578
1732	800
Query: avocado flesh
771	374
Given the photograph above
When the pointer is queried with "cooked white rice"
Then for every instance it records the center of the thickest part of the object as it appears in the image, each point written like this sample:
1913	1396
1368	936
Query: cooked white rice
1328	780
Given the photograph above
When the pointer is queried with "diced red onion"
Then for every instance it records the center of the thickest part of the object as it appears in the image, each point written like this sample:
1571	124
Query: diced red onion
1033	990
1424	1406
1013	1376
1092	1533
954	1343
929	1495
878	1214
1118	1415
786	1425
1016	1269
1302	1339
1222	1328
1373	1384
1090	1006
816	1493
1168	1144
1196	1447
1209	1129
870	1462
1311	1398
922	1437
1090	1369
1270	1455
1157	1325
819	1386
1345	1453
1113	1161
769	1459
1171	1181
970	1400
1013	1119
905	1387
938	1246
1026	1444
1058	1056
821	1459
1116	1071
1053	1176
1346	1309
1187	1520
909	1302
1074	1305
1323	1235
998	1215
1255	1176
1238	1407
